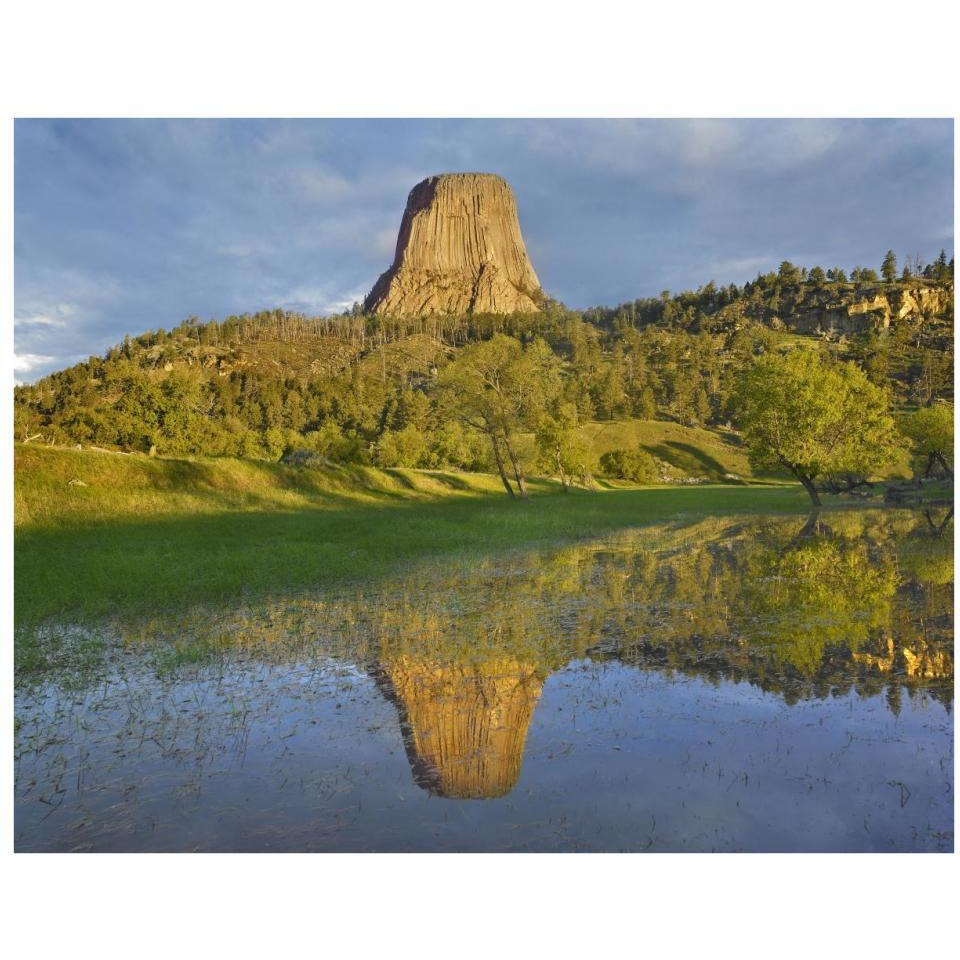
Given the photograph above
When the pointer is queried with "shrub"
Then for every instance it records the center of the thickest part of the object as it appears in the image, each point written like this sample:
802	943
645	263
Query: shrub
400	448
636	465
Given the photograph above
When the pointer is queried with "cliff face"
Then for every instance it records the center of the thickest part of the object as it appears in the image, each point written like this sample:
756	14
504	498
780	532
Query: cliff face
875	310
459	250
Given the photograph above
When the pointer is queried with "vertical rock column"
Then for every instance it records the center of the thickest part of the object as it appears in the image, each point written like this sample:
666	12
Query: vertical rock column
459	250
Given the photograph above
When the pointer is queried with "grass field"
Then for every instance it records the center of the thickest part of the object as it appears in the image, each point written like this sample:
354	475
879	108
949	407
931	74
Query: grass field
144	535
687	451
62	487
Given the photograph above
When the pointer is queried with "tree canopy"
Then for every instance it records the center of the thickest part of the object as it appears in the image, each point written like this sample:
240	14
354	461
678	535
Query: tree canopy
499	386
888	269
813	418
930	430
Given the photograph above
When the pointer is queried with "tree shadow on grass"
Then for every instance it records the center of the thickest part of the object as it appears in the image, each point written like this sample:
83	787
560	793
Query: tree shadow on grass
685	456
401	478
449	480
161	563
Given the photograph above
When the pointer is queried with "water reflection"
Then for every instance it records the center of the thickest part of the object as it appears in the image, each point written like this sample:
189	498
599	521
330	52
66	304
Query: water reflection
857	601
800	609
849	607
464	725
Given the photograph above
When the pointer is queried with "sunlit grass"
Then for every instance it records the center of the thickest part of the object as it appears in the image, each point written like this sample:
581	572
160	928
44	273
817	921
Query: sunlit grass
149	534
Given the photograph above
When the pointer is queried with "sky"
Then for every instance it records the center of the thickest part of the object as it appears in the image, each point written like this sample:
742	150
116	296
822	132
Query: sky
123	226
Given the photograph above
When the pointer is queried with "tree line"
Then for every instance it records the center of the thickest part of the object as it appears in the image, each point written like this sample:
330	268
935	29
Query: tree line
487	378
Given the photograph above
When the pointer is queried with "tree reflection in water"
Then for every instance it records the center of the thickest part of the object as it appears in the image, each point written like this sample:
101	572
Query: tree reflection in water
805	610
860	604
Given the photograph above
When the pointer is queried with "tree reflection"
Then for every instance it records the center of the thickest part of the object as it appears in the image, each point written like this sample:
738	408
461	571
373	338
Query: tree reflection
808	611
800	609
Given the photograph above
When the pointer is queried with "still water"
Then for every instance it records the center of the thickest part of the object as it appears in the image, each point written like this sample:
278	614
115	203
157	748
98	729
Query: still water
757	684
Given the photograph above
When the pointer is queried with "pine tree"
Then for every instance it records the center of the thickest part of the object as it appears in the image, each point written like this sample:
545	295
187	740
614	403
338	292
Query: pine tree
888	270
940	267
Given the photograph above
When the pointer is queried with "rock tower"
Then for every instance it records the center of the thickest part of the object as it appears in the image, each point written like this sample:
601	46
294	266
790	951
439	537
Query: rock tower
459	250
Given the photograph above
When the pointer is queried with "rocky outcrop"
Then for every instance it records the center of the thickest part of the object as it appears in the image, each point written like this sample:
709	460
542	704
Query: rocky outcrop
875	310
459	251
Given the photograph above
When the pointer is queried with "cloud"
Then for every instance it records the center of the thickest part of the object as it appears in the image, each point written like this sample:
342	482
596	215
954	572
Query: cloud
26	362
127	225
29	366
39	320
320	300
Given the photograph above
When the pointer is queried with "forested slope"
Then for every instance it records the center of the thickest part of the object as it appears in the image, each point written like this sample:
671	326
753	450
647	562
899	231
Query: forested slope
371	390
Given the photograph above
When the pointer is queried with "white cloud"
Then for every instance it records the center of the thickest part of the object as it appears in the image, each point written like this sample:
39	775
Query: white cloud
25	362
39	320
320	300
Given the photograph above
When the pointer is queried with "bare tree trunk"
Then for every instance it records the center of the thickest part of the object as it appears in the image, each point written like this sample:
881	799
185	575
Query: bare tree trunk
809	486
498	456
560	470
517	471
814	526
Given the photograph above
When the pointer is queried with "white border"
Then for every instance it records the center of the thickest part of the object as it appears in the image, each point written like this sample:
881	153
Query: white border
484	59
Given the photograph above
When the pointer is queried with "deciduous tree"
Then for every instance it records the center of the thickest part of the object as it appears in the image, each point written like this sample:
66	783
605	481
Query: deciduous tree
500	387
930	430
816	420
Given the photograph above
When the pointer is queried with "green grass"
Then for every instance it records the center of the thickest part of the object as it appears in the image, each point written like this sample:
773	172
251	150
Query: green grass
62	487
146	535
688	451
693	452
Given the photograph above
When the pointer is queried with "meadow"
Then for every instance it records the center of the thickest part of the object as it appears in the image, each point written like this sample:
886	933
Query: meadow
101	534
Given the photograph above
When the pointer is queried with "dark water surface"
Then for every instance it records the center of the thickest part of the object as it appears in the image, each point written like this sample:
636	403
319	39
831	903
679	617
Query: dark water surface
728	684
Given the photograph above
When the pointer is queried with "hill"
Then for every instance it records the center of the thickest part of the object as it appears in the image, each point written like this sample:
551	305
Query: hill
366	390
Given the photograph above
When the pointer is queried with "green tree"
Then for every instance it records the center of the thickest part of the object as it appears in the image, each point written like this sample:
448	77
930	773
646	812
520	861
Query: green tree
817	421
940	267
400	448
275	441
817	277
788	273
701	406
559	448
930	430
888	269
645	404
611	398
500	387
636	465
